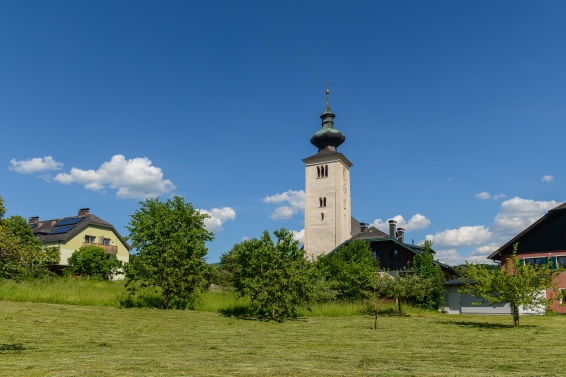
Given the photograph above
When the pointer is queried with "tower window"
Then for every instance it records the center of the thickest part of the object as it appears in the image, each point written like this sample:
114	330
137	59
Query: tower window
321	216
322	202
344	200
322	171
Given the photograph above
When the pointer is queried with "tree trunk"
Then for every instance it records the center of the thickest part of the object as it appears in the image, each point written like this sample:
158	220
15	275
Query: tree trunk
399	305
516	316
272	313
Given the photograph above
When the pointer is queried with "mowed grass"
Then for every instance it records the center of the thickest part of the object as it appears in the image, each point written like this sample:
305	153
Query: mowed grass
71	340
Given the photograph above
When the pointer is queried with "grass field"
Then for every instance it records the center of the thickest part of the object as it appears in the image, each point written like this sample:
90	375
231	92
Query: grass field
69	340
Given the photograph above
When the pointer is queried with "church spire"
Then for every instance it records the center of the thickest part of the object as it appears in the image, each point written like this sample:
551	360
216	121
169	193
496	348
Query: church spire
327	137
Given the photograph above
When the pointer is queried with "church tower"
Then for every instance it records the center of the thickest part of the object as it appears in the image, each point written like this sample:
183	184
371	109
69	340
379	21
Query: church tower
327	201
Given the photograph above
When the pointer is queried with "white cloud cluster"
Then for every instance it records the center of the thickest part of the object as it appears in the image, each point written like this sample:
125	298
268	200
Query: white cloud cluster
416	222
547	178
486	195
516	215
218	216
135	178
294	203
34	165
299	235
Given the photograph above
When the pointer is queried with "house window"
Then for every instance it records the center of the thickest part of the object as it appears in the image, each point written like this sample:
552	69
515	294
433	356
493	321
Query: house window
561	261
90	239
536	261
106	241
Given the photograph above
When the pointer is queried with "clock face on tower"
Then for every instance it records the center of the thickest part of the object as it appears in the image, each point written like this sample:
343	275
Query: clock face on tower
345	188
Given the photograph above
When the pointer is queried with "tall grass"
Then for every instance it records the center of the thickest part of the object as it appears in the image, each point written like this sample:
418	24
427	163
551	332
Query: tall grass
86	292
63	291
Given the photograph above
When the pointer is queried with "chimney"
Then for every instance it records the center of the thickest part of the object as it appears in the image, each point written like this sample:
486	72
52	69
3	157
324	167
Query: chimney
401	235
83	211
392	226
363	227
34	220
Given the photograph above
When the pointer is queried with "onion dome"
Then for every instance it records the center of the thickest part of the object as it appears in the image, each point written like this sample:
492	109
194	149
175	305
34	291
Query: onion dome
327	137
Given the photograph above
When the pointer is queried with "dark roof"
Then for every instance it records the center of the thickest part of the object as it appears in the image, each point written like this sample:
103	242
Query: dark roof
495	255
370	233
43	230
356	227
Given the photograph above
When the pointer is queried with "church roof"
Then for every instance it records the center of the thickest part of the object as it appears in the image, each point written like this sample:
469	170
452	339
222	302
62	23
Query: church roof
327	136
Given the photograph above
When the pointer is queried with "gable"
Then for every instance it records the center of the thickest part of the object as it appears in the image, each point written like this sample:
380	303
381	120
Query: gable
545	235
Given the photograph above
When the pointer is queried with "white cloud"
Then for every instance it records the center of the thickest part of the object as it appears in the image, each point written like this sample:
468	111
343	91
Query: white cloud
135	178
483	195
416	222
294	203
299	235
515	215
486	195
449	256
34	165
463	236
218	216
547	178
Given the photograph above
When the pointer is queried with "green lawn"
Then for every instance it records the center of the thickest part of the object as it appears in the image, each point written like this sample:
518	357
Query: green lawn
38	339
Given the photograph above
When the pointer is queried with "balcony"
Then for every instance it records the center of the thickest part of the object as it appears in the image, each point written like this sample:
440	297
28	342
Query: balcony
113	250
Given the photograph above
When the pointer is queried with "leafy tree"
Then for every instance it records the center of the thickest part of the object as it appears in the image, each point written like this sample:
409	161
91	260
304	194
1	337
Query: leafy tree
20	252
402	288
516	283
425	267
350	270
170	238
92	262
275	275
2	209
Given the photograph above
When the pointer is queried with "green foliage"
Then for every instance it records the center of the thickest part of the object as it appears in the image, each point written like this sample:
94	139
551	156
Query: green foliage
21	254
401	287
433	298
350	270
275	275
170	238
92	262
2	209
516	283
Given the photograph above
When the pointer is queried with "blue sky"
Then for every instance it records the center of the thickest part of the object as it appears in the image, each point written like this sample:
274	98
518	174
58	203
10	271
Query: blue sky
453	111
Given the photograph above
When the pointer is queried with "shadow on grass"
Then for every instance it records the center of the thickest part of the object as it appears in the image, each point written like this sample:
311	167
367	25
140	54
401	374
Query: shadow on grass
243	312
11	347
483	325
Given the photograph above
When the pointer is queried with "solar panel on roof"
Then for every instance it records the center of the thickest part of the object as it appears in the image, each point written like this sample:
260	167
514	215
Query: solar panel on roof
71	221
62	229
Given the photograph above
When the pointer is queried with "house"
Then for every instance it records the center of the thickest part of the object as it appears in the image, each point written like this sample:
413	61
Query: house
68	234
542	242
390	249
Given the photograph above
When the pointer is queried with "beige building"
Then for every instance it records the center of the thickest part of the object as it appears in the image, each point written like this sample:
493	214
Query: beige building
328	216
68	234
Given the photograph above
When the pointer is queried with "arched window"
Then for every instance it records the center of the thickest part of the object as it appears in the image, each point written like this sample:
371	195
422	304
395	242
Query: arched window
324	201
320	202
318	171
326	170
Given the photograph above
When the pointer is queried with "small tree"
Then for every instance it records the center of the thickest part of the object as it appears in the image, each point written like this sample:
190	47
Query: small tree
170	238
275	275
92	262
350	270
517	284
425	267
402	288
